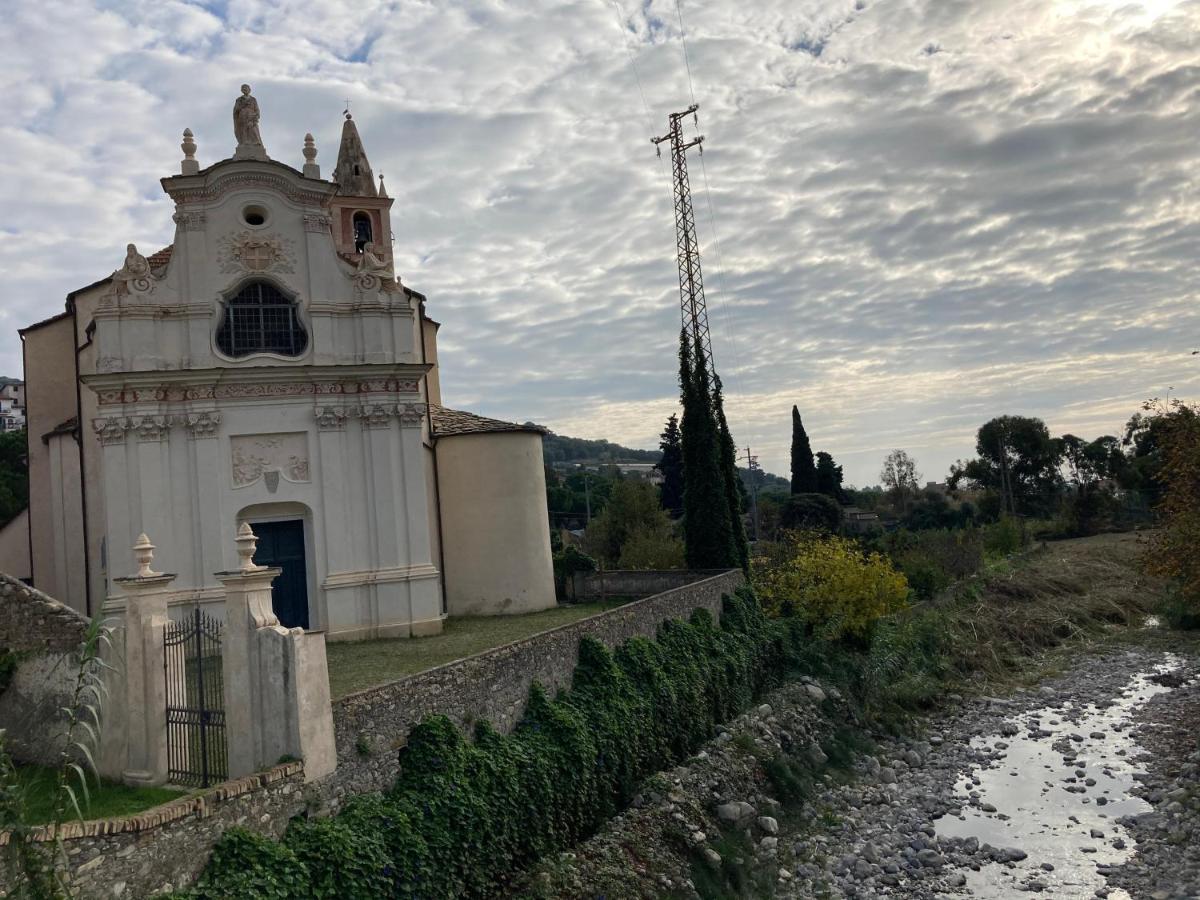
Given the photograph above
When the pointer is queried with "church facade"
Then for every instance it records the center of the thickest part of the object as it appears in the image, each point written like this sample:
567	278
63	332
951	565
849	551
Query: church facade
268	367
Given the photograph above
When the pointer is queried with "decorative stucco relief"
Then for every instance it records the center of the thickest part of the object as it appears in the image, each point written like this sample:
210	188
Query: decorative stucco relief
318	224
249	252
223	185
330	418
175	393
257	455
111	429
192	221
152	428
380	415
202	424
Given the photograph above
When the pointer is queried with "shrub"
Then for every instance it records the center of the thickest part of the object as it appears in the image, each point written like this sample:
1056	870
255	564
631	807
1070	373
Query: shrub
829	582
344	863
652	549
1172	550
567	562
247	866
813	512
1003	537
463	815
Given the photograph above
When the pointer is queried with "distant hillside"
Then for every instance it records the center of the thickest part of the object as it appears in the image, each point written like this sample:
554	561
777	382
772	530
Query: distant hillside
559	448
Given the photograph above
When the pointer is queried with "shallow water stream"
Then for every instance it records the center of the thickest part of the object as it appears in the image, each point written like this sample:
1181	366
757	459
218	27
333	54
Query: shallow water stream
1058	780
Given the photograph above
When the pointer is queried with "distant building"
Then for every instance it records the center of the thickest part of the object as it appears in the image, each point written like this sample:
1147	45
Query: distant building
859	521
12	406
642	470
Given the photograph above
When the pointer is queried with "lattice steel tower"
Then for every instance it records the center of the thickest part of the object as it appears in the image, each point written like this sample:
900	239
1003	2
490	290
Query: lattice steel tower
693	311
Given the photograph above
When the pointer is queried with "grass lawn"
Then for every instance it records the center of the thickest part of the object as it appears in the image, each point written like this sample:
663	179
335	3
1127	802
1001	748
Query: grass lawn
108	800
357	665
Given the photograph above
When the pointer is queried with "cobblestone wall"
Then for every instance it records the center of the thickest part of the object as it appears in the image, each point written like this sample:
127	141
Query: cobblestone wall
166	847
371	725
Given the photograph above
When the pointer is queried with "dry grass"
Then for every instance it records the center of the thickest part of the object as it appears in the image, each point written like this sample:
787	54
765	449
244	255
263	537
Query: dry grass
1067	591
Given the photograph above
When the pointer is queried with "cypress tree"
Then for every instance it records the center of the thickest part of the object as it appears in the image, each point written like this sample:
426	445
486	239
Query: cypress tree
670	492
734	489
804	473
707	535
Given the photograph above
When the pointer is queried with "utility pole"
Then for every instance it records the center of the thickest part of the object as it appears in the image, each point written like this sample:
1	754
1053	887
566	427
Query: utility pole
693	310
752	465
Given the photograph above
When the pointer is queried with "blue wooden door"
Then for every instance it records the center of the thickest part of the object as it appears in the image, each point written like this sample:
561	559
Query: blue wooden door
282	544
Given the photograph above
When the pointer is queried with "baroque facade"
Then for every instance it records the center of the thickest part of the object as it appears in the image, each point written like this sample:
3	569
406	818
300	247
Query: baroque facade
269	367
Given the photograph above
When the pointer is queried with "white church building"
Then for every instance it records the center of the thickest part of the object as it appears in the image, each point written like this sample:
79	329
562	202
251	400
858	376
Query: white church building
269	367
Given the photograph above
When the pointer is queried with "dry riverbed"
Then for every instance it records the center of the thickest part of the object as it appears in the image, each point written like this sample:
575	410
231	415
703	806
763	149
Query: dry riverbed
1087	785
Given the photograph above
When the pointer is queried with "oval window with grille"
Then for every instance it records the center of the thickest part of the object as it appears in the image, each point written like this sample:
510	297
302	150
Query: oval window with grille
260	318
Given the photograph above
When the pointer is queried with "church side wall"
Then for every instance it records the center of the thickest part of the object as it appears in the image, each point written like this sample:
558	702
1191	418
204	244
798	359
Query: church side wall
50	389
495	524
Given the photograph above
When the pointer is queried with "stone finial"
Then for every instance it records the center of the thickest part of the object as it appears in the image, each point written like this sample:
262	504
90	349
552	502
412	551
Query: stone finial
247	543
189	166
143	552
382	192
311	169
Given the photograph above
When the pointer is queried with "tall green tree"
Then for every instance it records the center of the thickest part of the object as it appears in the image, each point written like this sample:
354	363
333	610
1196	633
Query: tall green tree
804	473
829	476
1019	460
707	530
735	491
14	475
671	466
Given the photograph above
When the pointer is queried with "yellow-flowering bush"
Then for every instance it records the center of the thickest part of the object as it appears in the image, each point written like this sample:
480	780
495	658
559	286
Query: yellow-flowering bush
830	582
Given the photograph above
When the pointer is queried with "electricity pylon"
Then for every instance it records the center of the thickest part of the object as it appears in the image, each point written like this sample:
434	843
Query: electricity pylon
693	311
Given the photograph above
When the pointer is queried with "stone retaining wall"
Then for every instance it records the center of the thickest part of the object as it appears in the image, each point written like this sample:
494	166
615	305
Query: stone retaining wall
167	847
44	635
32	622
635	582
371	725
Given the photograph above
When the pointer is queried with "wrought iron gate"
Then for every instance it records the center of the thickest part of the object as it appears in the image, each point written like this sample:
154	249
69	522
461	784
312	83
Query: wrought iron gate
196	749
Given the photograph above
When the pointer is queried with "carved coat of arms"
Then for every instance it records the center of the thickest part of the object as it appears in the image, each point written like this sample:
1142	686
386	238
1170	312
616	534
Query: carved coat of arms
248	252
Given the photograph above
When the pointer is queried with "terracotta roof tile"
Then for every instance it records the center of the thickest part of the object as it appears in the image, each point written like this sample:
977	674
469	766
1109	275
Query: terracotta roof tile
448	422
161	258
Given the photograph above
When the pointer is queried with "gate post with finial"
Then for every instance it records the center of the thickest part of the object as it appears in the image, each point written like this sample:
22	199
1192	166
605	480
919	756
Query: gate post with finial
138	714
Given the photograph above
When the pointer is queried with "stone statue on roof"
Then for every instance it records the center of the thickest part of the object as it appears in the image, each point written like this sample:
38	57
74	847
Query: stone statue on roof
134	275
369	263
245	127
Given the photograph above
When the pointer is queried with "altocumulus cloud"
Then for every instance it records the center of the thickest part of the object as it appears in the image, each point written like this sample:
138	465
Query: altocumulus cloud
927	212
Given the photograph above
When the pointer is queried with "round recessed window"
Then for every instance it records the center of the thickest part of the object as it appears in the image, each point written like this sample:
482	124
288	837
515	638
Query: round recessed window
254	215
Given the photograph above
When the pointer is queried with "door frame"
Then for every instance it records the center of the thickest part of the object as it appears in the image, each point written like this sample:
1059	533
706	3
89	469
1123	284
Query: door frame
290	511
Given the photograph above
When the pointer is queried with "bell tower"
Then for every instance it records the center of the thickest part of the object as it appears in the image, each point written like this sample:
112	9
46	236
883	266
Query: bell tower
361	211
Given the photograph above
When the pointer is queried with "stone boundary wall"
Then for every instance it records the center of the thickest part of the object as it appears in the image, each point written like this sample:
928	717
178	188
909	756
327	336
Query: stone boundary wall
44	635
371	725
32	622
635	582
167	847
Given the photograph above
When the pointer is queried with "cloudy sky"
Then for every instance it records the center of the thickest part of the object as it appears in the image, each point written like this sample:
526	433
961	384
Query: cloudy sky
927	212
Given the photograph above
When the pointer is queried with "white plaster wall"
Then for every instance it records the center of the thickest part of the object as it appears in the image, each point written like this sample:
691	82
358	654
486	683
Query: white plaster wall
495	526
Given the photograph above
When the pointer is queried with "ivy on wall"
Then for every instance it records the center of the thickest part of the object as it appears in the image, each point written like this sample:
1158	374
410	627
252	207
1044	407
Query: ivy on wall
464	815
